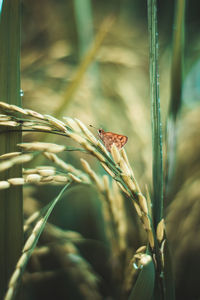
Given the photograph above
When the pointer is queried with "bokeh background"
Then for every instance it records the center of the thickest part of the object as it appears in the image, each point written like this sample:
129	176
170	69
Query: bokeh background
112	94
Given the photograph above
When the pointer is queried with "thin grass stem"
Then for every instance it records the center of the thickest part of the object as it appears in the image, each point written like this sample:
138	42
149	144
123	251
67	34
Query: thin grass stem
11	204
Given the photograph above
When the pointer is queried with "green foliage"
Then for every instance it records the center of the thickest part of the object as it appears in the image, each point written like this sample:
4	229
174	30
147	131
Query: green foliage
144	286
155	116
109	239
11	212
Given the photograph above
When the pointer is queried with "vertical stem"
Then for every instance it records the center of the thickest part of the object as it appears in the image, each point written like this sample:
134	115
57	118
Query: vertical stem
11	211
156	117
157	167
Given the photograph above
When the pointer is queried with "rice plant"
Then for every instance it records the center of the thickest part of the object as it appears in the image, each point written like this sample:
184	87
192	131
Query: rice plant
127	253
117	167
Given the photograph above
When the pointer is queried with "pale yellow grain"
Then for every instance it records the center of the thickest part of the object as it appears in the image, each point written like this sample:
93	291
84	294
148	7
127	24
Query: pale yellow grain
4	185
115	154
16	181
143	203
160	230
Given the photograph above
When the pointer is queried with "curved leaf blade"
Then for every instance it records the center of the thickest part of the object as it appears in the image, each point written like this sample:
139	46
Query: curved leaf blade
144	286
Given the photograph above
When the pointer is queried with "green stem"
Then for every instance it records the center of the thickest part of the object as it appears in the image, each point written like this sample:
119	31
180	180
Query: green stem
155	117
11	211
157	200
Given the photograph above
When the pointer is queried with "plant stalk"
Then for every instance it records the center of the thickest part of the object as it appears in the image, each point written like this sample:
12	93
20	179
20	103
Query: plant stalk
11	208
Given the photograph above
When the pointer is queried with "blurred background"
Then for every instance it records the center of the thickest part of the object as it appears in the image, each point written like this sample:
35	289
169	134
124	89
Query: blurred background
109	88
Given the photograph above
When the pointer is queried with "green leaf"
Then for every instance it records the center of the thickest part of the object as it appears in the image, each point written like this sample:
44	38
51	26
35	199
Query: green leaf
48	210
155	114
144	286
31	244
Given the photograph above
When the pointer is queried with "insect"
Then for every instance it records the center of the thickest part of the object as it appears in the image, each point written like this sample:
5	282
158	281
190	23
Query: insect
110	138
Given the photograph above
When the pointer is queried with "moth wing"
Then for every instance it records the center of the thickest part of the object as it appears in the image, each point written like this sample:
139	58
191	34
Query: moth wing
114	138
120	140
108	140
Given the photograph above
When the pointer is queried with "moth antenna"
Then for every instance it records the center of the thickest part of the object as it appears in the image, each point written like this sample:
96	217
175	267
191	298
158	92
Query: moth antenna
93	127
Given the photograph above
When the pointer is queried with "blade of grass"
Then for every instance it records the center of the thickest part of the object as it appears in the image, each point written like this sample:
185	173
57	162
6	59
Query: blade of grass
162	282
155	114
144	286
157	166
11	211
176	89
30	246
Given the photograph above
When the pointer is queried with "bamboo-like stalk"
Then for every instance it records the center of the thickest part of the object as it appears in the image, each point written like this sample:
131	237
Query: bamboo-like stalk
11	213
